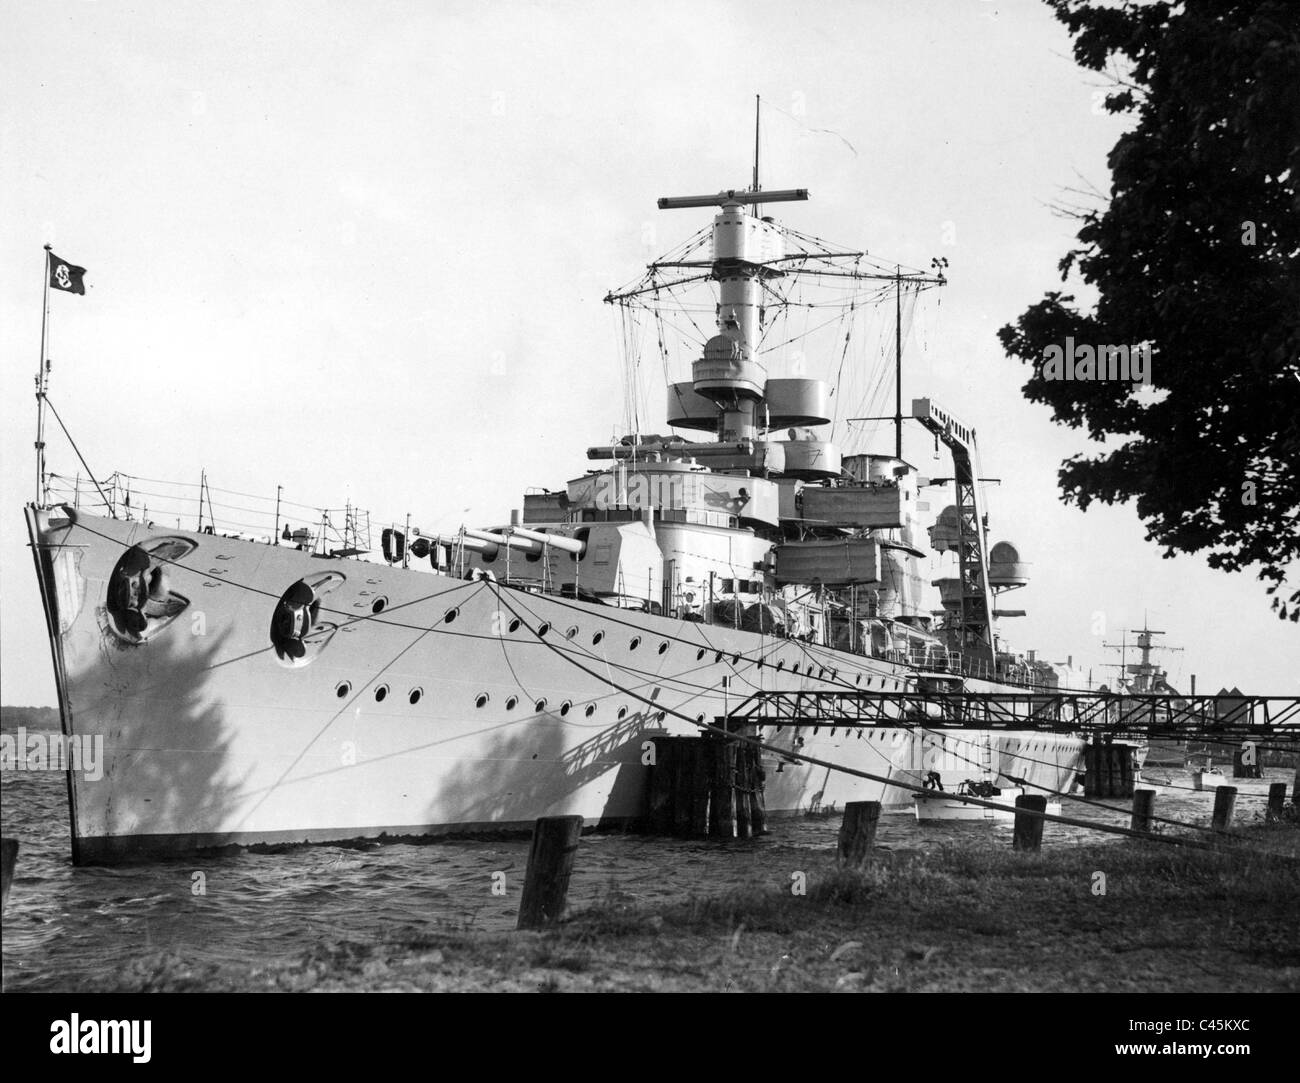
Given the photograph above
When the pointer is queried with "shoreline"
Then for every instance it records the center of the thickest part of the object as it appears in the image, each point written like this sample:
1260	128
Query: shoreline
1132	917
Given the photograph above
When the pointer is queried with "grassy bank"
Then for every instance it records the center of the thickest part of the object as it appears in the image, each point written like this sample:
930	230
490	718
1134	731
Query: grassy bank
977	919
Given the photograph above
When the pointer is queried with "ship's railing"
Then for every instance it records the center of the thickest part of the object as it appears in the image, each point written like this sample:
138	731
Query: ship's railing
206	508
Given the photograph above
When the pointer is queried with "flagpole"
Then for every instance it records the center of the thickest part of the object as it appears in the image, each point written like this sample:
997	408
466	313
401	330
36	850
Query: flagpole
41	382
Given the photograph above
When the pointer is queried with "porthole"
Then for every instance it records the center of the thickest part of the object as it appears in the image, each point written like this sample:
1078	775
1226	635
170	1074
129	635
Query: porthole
481	700
858	679
781	664
540	706
379	605
543	628
794	668
512	702
416	694
636	642
450	615
717	658
591	710
513	626
595	640
699	655
571	631
342	688
735	659
565	708
699	718
663	647
622	713
661	716
381	693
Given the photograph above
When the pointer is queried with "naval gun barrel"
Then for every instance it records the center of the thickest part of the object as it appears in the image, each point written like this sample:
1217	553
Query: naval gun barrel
531	542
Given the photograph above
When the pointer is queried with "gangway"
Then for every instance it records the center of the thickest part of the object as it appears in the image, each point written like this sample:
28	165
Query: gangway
1275	719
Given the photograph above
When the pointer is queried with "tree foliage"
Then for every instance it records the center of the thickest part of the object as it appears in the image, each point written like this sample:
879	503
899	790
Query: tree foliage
1196	253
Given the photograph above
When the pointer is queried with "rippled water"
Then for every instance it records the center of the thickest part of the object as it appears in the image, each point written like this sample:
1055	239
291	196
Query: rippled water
65	927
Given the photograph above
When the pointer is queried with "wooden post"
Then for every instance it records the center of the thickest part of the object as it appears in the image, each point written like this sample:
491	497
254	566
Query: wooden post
1124	771
857	833
1092	759
1143	807
722	795
1027	834
1225	797
758	807
550	862
8	859
701	759
1241	769
744	774
1276	798
682	777
659	814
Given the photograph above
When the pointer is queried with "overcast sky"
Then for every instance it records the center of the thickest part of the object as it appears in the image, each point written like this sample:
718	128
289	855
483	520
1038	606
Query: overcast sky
359	250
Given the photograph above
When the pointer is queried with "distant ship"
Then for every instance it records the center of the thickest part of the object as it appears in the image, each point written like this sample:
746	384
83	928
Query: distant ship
284	690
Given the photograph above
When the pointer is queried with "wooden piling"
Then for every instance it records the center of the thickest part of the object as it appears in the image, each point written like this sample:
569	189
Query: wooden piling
744	758
1143	808
700	771
1123	783
682	777
857	833
722	794
1027	834
1093	761
659	813
550	863
8	861
758	808
1241	769
1276	799
1225	797
1108	770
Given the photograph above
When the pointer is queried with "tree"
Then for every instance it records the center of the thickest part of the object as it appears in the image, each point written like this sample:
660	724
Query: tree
1195	256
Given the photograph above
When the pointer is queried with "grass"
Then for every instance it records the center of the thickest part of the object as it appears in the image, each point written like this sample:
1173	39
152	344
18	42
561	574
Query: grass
977	918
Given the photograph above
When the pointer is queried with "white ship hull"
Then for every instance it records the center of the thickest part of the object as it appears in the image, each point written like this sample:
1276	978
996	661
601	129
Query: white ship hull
210	736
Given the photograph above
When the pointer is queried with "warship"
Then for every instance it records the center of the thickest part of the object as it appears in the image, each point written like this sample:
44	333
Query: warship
299	687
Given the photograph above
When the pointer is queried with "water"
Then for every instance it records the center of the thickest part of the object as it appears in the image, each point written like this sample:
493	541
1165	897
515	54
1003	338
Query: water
67	927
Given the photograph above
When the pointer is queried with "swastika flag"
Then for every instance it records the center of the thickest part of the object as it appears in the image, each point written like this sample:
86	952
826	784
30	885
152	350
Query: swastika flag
64	276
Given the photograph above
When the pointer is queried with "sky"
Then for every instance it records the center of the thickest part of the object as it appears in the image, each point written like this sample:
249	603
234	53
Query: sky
359	251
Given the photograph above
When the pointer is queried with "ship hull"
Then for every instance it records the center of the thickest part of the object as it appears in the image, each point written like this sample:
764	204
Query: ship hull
424	704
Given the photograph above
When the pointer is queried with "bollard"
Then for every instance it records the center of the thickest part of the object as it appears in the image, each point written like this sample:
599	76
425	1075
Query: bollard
1027	834
550	862
1225	797
1143	807
857	833
8	859
1276	799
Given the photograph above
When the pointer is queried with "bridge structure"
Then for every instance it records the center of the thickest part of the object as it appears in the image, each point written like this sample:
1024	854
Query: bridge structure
1274	720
